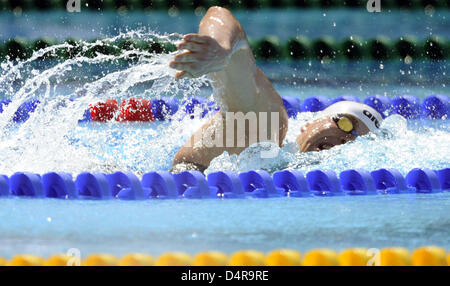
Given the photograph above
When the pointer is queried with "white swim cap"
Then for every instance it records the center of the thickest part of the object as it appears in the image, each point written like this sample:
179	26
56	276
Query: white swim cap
369	116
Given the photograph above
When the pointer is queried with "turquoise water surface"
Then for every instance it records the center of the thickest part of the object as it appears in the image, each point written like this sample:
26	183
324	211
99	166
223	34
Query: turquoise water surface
47	226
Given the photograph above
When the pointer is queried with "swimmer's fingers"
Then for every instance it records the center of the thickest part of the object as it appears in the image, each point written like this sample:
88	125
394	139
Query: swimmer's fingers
190	69
191	46
197	38
182	74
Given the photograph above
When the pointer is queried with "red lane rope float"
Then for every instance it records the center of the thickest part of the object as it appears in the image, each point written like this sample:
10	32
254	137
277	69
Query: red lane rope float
138	109
133	109
104	111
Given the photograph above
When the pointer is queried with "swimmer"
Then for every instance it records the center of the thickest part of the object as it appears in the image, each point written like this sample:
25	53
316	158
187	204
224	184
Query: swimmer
221	50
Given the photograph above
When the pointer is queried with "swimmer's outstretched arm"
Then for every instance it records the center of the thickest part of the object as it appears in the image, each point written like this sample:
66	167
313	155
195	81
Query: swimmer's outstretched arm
221	50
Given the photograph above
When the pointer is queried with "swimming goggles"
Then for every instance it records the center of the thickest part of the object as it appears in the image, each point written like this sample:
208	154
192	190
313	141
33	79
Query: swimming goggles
345	124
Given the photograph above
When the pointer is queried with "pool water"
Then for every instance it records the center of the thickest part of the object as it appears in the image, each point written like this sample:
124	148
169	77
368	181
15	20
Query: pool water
47	226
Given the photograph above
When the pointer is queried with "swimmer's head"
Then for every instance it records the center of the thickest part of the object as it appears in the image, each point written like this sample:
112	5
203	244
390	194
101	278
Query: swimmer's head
338	124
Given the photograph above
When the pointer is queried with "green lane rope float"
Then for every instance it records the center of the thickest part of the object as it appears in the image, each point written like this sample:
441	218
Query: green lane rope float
266	48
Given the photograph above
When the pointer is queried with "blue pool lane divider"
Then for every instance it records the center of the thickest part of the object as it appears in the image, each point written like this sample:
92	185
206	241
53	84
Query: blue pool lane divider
345	98
93	185
292	105
224	184
380	103
23	111
163	108
357	182
26	184
408	106
59	185
160	185
324	183
389	181
436	106
315	104
444	178
4	185
293	182
192	185
126	186
423	180
259	184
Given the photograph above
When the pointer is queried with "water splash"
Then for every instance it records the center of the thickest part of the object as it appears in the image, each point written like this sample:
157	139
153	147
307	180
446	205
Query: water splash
419	144
52	139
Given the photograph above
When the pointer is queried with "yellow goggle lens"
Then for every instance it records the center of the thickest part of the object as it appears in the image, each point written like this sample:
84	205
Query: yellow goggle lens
345	124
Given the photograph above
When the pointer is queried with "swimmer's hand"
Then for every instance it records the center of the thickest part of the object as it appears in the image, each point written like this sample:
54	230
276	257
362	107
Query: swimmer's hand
203	55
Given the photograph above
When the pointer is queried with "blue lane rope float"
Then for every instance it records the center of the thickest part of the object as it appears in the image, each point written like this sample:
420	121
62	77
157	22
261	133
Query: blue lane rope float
444	176
292	105
93	185
315	103
23	111
126	186
293	182
408	106
357	182
59	185
389	181
164	107
259	184
380	103
423	180
224	184
160	185
192	185
324	183
26	184
4	185
436	106
345	98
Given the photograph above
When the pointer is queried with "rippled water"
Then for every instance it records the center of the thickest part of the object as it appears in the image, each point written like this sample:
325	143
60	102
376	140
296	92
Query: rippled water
52	138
